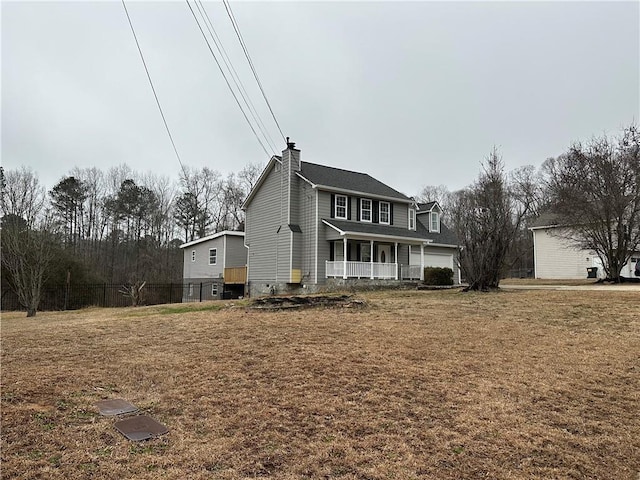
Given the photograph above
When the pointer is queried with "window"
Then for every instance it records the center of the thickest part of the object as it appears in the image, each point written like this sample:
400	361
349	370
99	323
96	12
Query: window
412	218
341	206
191	289
365	210
214	289
193	255
213	256
385	210
435	222
365	252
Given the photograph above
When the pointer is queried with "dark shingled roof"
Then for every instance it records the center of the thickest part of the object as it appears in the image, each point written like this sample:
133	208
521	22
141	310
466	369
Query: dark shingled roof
374	229
347	180
446	236
424	207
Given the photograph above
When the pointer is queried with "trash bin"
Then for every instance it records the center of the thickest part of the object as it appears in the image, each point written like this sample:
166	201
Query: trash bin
592	272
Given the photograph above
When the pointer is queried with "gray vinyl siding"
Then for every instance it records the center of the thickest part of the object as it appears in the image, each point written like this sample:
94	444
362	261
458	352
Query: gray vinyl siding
262	222
201	268
236	252
403	254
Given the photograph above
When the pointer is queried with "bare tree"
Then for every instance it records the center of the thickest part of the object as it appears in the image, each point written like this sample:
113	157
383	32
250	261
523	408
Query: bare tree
26	255
22	194
486	218
595	193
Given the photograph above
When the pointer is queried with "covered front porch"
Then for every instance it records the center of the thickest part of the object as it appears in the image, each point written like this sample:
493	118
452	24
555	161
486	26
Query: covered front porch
373	259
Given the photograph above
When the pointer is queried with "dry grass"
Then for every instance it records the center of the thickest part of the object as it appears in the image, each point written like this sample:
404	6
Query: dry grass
445	385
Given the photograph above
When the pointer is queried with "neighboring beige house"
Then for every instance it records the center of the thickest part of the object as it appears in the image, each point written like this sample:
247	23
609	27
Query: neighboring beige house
555	257
208	260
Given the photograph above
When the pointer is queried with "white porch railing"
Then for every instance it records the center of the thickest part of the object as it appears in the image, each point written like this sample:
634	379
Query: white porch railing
361	270
410	272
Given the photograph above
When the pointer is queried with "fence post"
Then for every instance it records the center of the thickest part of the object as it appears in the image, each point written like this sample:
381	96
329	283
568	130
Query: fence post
201	291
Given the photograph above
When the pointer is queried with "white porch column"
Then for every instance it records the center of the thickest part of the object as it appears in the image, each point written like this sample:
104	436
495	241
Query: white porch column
371	257
396	260
344	242
421	262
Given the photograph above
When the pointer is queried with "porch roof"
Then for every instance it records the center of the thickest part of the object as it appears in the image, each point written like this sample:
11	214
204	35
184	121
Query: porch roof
375	231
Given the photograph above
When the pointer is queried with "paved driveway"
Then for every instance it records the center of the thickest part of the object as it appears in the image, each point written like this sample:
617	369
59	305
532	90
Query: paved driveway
624	287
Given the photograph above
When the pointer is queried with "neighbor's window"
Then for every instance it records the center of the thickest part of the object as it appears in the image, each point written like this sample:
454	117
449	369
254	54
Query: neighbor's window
191	289
341	206
214	289
365	210
193	255
435	222
412	218
213	256
385	210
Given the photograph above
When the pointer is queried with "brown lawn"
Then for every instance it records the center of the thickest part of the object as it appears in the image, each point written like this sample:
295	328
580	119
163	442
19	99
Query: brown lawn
443	385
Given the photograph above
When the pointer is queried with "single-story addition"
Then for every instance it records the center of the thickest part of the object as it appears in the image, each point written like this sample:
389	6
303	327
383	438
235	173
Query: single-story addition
556	257
309	225
214	266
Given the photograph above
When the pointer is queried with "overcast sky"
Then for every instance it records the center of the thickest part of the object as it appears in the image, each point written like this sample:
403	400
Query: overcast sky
413	93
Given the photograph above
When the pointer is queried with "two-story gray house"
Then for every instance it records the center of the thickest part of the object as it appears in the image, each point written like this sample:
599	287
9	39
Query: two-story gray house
213	265
309	225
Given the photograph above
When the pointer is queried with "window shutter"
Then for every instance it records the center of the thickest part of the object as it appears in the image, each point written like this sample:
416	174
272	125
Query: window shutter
332	251
333	207
376	211
391	213
359	204
348	208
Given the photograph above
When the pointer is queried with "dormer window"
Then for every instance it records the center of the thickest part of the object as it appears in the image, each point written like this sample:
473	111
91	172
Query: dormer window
365	210
412	218
435	222
341	206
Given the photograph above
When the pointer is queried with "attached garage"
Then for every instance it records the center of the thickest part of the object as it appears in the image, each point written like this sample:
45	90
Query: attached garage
438	260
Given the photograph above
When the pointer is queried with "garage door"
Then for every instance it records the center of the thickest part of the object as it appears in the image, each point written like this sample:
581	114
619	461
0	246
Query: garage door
436	260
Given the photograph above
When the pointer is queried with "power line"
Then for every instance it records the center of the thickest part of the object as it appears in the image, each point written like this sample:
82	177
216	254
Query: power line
166	126
246	53
234	74
225	78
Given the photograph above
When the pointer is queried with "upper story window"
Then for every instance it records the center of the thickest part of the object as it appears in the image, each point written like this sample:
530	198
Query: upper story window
341	206
385	213
435	222
193	255
213	256
365	210
412	218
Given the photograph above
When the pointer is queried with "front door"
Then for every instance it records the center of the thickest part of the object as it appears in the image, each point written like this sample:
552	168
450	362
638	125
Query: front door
384	253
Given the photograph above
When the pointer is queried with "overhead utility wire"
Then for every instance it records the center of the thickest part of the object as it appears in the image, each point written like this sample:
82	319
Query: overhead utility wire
166	126
227	6
225	78
234	74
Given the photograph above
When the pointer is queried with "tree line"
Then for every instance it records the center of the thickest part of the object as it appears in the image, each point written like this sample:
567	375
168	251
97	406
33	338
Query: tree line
114	226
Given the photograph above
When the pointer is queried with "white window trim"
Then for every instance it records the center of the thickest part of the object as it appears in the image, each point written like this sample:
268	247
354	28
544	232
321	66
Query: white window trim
388	222
412	218
193	255
437	215
214	289
216	259
362	210
346	207
191	289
